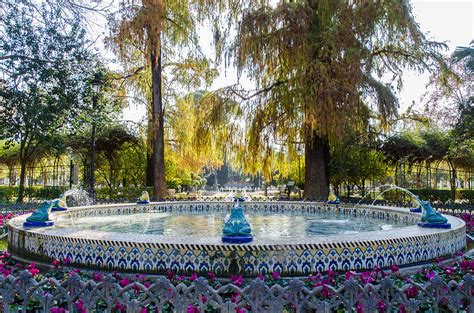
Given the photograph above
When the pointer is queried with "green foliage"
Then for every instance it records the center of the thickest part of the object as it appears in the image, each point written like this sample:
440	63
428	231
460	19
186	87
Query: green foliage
129	193
466	194
433	195
465	54
31	193
45	62
417	146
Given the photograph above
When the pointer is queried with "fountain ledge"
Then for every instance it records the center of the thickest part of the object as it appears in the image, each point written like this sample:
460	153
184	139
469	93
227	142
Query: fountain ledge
289	256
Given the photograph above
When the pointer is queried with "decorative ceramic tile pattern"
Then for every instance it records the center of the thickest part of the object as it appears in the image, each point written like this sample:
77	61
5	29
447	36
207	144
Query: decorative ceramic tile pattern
155	254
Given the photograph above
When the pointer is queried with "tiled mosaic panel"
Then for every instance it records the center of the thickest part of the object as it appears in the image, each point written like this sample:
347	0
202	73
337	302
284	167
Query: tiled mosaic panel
156	258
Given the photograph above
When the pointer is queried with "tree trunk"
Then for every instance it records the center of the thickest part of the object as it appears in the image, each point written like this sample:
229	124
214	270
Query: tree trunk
21	189
11	169
149	157
159	181
452	180
316	168
418	177
396	174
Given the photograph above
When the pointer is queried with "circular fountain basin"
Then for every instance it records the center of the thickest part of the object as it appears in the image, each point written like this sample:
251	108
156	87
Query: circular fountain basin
293	238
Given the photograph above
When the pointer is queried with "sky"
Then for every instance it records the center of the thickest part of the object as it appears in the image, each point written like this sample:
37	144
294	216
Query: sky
449	21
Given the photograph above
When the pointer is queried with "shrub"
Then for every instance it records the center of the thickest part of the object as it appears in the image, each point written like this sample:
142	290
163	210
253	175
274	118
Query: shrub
9	193
434	195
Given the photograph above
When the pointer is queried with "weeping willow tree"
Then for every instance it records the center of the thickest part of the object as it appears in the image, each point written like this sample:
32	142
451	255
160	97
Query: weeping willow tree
153	39
318	67
203	127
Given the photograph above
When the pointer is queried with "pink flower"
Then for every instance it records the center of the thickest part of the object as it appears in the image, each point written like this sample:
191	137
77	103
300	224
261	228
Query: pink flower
412	291
193	277
67	261
120	307
275	275
449	270
212	276
124	282
74	271
315	278
147	284
193	309
80	306
394	268
204	299
261	277
240	310
136	290
466	265
366	278
170	274
6	272
381	306
331	274
56	263
34	271
236	280
430	275
144	310
98	277
325	292
235	296
350	274
359	307
57	310
181	278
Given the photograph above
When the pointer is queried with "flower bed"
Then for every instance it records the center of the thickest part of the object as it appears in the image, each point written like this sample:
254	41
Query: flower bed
469	220
5	216
440	285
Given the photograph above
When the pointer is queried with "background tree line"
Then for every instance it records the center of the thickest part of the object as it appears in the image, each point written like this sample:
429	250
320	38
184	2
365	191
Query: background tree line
322	111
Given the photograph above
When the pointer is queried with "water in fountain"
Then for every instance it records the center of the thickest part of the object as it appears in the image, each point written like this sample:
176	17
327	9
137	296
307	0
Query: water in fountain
230	197
78	197
246	196
389	187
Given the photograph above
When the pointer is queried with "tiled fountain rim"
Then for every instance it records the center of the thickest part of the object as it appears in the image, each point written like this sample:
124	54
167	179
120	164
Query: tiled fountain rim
288	243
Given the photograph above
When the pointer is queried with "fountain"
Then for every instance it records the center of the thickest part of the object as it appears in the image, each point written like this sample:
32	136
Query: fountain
78	197
430	217
40	217
60	203
144	198
290	237
333	199
237	228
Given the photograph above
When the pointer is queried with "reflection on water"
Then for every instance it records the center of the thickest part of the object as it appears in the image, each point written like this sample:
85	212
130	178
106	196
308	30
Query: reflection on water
210	225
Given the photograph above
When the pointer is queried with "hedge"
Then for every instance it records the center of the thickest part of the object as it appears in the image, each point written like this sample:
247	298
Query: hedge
9	194
31	193
434	195
130	193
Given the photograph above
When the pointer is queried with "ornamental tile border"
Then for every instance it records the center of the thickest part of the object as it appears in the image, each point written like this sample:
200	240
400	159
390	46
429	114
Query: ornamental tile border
155	254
